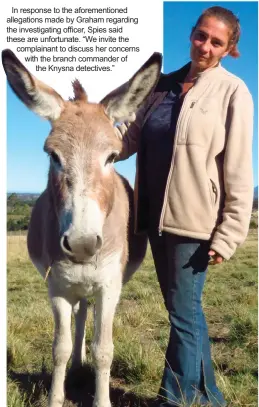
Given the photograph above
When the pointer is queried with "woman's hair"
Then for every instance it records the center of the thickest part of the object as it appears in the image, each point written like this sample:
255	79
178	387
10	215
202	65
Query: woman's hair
227	17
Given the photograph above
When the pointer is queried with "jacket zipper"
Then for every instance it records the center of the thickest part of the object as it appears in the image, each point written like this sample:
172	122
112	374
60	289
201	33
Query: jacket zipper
180	119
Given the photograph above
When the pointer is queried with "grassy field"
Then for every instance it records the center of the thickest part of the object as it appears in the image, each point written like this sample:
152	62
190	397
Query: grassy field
140	334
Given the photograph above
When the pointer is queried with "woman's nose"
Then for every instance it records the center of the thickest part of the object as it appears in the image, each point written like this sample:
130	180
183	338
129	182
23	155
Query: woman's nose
205	47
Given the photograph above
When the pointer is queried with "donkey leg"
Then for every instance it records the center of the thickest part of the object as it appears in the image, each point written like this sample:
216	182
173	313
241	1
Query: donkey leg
80	312
62	348
102	346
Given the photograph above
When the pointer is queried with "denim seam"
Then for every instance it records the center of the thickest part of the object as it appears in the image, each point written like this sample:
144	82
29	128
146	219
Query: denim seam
193	319
196	330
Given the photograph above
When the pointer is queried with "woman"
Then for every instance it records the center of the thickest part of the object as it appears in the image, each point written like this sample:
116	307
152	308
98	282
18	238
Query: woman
194	193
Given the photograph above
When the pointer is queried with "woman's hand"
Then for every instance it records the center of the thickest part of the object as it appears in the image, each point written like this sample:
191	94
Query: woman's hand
216	258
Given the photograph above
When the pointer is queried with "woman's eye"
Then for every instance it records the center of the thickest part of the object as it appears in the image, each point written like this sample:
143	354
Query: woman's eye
111	158
55	158
200	36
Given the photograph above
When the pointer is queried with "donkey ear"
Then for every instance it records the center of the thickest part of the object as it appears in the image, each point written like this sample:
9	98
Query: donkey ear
39	97
122	103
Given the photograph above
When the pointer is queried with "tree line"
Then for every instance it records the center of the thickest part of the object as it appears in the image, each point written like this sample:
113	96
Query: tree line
19	212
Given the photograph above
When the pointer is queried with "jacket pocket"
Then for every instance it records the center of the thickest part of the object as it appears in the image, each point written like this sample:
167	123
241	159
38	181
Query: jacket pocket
189	199
213	192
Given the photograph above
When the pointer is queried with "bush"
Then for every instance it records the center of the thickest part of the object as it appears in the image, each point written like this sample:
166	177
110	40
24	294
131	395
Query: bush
253	224
18	224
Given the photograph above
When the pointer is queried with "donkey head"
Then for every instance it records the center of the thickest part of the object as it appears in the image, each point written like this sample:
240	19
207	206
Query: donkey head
82	146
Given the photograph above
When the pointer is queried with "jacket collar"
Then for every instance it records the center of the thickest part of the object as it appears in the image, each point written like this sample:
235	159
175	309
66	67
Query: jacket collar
209	72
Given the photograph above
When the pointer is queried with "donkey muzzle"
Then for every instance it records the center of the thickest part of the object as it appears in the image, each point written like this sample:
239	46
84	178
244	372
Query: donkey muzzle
79	246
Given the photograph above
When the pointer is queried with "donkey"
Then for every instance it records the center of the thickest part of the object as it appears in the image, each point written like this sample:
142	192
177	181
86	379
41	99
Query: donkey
82	224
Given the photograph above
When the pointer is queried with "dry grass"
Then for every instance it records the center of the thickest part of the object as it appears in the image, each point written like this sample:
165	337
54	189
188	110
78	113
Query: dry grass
16	248
230	303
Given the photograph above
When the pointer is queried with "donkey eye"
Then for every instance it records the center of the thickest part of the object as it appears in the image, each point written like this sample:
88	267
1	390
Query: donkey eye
111	158
55	158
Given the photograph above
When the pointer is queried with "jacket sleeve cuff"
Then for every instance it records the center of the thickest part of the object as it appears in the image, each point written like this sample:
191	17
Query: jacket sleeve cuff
223	249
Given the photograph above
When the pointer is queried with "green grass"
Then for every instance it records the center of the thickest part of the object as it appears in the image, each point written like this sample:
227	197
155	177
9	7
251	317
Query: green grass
140	334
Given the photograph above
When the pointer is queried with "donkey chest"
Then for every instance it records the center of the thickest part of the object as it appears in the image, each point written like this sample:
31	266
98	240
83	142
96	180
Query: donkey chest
86	279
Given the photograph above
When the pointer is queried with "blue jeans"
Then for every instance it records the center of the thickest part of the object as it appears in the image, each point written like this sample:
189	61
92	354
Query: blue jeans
181	266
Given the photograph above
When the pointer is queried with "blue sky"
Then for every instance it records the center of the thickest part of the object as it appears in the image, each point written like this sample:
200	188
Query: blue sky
27	164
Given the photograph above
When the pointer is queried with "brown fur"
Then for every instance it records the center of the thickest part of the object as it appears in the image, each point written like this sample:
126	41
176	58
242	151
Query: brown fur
85	131
79	92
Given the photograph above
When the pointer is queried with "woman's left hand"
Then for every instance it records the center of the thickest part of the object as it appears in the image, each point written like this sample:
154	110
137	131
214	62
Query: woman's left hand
216	258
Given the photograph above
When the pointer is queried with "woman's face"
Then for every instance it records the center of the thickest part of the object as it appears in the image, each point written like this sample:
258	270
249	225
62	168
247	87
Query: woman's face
209	43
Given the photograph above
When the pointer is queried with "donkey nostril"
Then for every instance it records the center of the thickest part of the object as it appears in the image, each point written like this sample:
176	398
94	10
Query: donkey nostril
92	243
66	244
98	242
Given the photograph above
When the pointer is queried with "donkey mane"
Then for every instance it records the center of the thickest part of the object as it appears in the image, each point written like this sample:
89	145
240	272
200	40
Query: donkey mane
79	92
